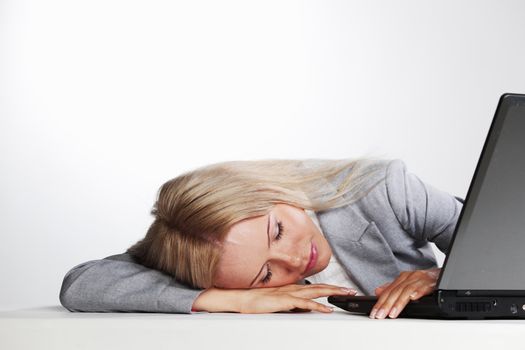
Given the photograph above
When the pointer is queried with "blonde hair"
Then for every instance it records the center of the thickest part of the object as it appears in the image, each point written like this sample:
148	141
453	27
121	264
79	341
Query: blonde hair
194	211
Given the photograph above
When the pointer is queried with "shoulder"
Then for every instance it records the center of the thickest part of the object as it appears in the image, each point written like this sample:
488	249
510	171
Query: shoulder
376	169
384	189
121	257
404	201
397	183
371	197
388	169
387	174
391	172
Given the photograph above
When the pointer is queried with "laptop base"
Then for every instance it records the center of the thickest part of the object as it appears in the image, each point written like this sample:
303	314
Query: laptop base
444	305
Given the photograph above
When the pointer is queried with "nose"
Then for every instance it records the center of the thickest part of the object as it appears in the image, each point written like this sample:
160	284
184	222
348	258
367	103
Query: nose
291	259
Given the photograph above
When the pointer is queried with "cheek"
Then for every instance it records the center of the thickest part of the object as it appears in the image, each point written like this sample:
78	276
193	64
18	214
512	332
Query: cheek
299	228
325	252
281	278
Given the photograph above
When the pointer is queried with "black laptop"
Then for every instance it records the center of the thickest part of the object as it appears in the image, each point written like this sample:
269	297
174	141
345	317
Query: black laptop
483	275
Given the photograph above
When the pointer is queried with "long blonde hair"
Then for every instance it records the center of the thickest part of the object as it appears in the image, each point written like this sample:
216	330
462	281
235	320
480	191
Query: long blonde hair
195	210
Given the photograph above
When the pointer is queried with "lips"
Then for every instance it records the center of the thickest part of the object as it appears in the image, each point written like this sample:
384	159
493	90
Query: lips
313	258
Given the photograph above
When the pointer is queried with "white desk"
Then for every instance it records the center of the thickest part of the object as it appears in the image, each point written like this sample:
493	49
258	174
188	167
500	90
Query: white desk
56	328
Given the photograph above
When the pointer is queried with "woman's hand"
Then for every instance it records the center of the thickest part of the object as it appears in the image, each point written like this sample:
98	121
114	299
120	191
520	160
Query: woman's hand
291	297
409	285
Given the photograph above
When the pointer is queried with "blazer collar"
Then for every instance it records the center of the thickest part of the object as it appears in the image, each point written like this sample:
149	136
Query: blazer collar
359	246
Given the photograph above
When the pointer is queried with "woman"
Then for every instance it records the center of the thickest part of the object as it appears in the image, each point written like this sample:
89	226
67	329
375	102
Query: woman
243	236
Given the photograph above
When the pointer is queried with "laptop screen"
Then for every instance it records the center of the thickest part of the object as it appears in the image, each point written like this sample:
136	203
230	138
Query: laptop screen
488	250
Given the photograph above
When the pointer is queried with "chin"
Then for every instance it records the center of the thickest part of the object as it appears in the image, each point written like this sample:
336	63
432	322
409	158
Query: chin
324	251
321	265
324	264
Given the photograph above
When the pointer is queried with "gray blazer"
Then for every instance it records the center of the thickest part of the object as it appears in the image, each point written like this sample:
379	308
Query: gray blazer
385	232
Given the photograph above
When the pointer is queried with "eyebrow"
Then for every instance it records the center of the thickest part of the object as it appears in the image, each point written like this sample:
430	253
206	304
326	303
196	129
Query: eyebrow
268	234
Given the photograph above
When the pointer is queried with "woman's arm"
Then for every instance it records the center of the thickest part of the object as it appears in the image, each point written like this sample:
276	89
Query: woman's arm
117	284
425	212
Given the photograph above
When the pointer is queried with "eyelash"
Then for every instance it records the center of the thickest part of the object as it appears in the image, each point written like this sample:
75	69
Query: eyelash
268	276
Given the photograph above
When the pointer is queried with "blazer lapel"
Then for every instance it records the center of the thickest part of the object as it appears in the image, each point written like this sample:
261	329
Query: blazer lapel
360	247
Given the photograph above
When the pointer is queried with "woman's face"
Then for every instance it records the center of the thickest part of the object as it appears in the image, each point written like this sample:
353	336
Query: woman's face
256	246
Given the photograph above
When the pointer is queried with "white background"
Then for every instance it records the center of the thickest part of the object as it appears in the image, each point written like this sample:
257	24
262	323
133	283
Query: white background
103	101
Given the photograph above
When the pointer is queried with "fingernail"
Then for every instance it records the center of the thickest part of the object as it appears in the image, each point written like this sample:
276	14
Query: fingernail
381	313
373	313
413	295
393	313
347	290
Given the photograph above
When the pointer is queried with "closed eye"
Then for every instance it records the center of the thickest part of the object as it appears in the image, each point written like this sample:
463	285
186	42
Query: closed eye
280	232
279	235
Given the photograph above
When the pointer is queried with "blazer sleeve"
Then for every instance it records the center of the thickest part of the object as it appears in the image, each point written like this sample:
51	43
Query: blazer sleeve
117	284
425	212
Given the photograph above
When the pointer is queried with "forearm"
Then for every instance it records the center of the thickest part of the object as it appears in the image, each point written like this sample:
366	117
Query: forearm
218	300
119	286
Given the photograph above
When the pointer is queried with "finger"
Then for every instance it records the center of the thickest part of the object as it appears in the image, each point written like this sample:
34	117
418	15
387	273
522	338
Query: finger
398	293
300	310
312	293
310	304
393	284
424	290
384	285
316	290
385	293
295	287
408	293
381	288
411	292
324	285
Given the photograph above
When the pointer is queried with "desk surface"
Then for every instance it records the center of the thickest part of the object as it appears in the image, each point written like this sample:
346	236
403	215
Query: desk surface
56	328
